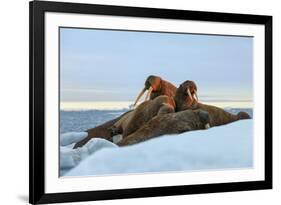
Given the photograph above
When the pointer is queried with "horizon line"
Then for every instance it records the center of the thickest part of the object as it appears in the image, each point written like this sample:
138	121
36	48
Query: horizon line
121	105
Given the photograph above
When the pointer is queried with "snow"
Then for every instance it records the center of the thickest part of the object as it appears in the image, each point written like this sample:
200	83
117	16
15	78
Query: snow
228	146
70	158
71	137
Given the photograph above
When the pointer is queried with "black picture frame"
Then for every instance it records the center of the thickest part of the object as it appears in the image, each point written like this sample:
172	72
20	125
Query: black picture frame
37	10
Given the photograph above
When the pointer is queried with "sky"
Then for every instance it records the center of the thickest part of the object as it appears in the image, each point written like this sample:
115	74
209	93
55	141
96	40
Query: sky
106	65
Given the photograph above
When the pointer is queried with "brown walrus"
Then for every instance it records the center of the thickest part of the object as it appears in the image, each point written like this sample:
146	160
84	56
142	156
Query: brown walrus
186	98
155	87
171	123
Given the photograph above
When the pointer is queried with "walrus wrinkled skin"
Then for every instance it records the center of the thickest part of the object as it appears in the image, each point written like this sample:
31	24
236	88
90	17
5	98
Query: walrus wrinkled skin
171	123
101	131
142	114
185	99
155	87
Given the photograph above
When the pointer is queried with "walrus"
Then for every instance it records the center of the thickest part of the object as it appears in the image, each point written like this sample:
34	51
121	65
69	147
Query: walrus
170	123
186	98
142	114
155	87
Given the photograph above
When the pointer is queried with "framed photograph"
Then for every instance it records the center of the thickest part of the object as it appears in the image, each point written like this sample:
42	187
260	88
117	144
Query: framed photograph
130	102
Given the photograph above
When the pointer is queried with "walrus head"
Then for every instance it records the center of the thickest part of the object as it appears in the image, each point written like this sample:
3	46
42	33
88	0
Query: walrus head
186	95
152	83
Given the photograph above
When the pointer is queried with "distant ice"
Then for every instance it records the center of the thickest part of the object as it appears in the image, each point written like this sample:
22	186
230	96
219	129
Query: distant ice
228	146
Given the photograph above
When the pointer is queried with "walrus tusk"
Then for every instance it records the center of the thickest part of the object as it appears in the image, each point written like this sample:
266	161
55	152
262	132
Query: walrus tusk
149	93
189	94
139	96
195	95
